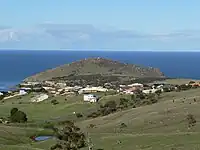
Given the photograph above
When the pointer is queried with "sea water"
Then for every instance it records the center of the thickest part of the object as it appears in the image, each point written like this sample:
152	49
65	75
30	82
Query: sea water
15	65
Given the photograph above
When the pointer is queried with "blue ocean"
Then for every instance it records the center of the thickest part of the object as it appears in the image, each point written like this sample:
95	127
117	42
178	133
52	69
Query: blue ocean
17	65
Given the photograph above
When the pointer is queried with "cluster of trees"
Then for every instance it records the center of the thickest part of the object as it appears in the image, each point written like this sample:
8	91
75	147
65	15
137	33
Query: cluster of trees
106	109
124	103
69	138
17	116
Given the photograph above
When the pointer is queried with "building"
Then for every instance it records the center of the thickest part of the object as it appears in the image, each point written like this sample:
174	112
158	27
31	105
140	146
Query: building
130	90
30	84
50	83
22	92
195	84
90	98
61	85
1	94
139	85
40	98
92	90
149	91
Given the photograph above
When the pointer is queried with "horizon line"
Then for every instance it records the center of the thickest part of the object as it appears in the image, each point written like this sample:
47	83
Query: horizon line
100	50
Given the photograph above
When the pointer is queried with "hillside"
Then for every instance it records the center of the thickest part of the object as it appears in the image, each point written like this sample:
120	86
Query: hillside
163	125
94	66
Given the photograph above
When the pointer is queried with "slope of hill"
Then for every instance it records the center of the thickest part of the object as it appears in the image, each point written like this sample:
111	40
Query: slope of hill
93	66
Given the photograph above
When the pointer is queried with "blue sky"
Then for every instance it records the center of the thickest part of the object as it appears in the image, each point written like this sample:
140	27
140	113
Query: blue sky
143	16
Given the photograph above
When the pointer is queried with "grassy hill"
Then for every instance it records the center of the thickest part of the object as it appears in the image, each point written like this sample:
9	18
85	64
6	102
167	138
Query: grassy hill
97	66
163	125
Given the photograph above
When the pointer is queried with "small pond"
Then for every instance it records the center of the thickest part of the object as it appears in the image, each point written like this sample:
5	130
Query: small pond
42	138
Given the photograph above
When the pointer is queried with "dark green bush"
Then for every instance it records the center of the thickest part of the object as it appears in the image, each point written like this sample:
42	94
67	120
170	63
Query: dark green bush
79	115
69	138
18	117
54	102
13	111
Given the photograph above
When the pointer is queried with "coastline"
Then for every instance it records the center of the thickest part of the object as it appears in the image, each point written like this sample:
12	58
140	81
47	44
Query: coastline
6	85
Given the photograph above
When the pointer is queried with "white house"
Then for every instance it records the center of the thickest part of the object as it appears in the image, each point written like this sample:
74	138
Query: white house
1	94
136	85
92	90
150	91
22	92
40	98
90	98
51	83
61	85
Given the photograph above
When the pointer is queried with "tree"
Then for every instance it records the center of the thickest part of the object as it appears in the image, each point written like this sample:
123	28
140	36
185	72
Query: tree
123	125
2	97
191	120
123	102
132	97
13	111
79	115
54	102
69	138
111	104
18	116
140	95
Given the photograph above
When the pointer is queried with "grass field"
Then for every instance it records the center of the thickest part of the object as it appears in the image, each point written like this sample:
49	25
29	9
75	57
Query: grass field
161	126
180	81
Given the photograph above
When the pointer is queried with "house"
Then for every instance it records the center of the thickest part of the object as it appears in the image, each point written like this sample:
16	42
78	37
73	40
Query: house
1	94
26	88
148	91
30	84
61	85
39	98
122	85
22	92
50	83
92	90
130	90
90	98
136	85
195	84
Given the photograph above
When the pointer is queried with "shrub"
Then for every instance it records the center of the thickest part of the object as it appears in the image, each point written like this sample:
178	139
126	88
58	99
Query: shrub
13	111
140	95
123	102
191	120
94	115
106	111
2	97
79	115
18	117
123	125
91	126
111	104
69	138
54	102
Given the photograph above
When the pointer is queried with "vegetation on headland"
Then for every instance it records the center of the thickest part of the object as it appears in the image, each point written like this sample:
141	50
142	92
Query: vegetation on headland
97	66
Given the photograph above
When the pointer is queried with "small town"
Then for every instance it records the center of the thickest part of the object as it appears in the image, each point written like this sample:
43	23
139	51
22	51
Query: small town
46	89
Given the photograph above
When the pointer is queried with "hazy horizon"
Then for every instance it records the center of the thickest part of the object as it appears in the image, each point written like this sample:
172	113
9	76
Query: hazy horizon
100	25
